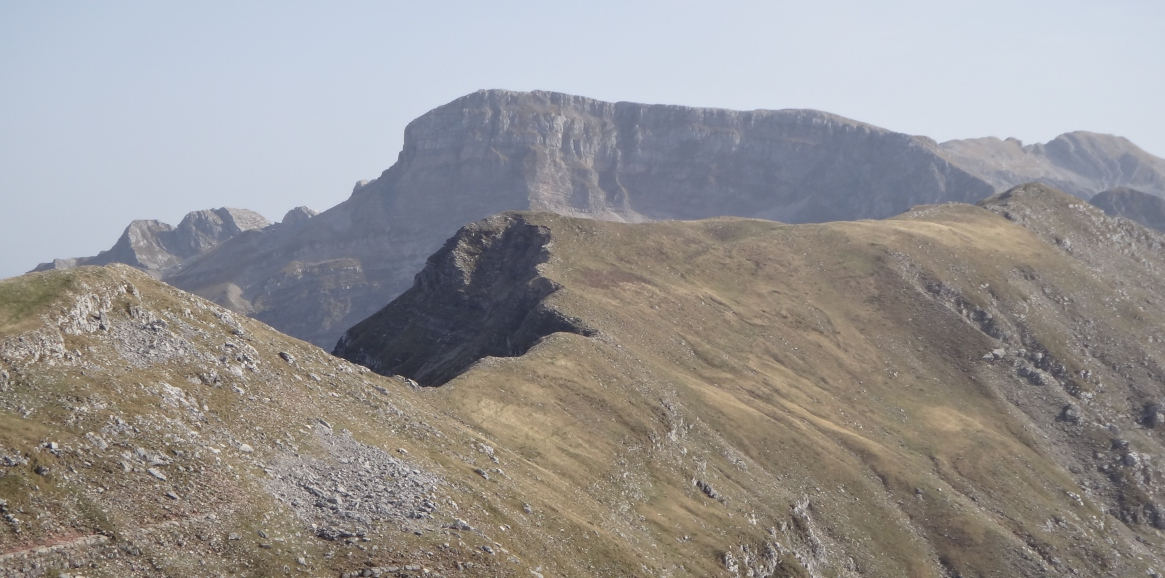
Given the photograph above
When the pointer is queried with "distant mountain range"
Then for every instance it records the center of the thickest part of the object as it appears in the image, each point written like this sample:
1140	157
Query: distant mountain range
314	276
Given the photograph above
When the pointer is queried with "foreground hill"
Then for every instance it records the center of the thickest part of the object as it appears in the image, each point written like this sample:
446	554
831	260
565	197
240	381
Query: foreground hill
147	432
958	391
494	151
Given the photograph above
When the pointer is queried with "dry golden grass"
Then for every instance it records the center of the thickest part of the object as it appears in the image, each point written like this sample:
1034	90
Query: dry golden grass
786	365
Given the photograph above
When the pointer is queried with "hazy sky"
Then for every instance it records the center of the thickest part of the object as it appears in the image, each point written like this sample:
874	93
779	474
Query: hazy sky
113	111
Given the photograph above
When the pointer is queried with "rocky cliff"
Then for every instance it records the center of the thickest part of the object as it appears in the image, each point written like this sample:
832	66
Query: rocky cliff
494	151
482	293
633	162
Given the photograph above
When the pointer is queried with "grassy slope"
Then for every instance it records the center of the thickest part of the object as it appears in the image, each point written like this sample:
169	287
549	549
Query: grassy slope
810	365
61	383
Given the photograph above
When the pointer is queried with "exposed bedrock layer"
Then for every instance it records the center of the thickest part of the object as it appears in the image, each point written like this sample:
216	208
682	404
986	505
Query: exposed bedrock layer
480	295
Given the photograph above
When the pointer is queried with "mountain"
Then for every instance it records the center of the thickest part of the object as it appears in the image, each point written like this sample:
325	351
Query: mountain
1146	209
957	391
156	246
1081	163
494	151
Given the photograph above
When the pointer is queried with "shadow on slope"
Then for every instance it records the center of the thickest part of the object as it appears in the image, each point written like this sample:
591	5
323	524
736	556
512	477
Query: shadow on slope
481	295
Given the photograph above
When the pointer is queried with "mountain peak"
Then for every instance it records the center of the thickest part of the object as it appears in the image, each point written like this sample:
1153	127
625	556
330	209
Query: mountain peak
156	246
1081	163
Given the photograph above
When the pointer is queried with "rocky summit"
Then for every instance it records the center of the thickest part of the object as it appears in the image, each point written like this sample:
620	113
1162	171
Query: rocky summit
494	151
1081	163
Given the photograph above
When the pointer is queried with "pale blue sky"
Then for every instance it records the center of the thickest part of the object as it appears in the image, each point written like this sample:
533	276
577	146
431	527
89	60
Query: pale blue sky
112	111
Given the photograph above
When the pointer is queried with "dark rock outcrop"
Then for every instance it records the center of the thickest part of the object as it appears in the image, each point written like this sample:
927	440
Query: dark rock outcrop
480	295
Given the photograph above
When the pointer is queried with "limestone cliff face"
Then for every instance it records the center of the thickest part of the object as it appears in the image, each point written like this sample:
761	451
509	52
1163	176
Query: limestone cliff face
496	150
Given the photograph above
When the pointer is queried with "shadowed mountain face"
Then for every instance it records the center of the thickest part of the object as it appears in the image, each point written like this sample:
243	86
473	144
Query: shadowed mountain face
961	390
1146	209
494	151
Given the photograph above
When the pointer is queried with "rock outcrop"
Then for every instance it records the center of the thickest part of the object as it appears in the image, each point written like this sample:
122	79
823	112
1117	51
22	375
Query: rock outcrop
494	151
480	295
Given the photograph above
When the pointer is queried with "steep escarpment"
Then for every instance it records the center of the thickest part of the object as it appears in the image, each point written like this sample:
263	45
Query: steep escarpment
626	161
960	390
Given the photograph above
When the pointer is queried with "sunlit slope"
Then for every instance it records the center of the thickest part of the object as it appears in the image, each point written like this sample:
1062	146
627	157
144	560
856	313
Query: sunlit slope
819	400
148	432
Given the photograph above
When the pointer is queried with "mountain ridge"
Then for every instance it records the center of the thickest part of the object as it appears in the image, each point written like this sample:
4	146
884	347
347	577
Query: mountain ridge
990	374
1081	163
156	246
1146	209
494	151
